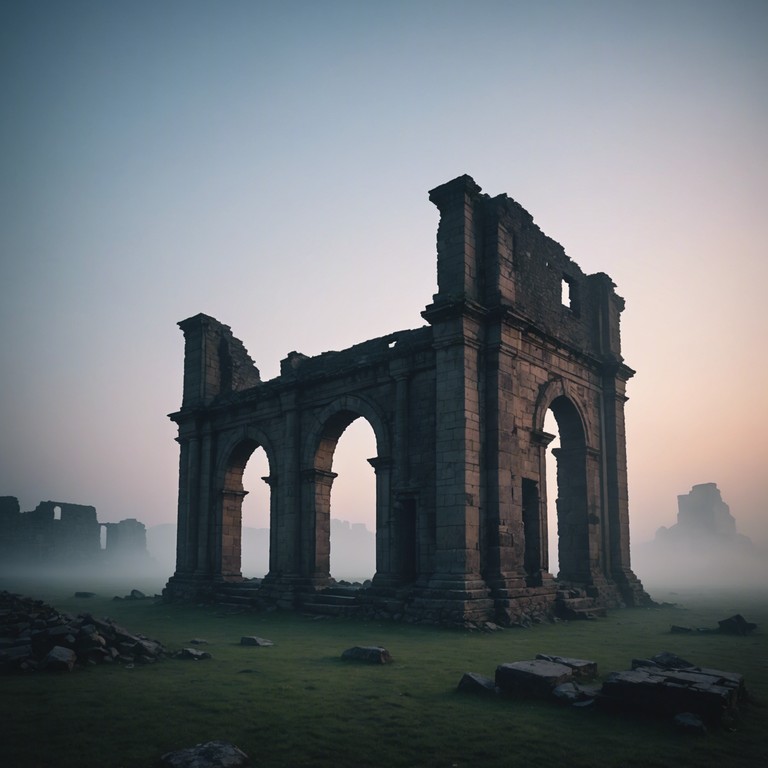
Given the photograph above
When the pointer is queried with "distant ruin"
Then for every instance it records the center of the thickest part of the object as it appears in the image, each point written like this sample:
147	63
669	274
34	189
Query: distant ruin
457	407
703	520
60	534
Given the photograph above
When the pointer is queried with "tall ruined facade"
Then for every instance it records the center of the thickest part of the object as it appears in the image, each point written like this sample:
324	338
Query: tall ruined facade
457	408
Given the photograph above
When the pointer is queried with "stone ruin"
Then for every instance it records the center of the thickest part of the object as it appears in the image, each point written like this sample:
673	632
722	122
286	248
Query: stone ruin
703	518
515	330
59	534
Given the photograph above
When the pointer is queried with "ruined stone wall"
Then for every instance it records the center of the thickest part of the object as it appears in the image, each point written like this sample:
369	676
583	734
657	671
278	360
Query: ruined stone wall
457	407
61	534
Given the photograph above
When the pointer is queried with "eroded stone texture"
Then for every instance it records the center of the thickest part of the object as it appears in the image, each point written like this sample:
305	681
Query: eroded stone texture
457	407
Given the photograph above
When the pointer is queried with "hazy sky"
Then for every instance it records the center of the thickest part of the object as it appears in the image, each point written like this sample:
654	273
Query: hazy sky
268	163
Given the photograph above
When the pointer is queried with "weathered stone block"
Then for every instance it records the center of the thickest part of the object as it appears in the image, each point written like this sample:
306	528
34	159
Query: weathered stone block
372	654
533	678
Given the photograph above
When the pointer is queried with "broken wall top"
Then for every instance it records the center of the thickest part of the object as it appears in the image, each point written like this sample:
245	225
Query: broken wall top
492	261
492	255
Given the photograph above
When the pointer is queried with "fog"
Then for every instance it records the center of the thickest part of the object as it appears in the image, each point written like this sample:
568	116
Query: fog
700	566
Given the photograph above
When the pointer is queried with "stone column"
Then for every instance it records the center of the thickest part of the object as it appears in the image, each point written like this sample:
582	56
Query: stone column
387	534
316	530
502	521
185	545
207	511
228	531
540	441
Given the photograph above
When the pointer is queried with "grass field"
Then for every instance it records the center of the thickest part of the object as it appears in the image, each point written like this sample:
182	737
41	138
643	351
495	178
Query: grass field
298	704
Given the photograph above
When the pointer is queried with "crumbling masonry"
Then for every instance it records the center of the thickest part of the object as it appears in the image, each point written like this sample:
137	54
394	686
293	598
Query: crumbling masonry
457	408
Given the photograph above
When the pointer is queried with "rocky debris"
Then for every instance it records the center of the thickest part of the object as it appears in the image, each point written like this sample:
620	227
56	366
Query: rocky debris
35	636
85	594
373	654
664	659
538	677
710	694
582	668
193	654
472	682
59	659
260	642
665	685
198	641
135	594
735	625
576	694
211	754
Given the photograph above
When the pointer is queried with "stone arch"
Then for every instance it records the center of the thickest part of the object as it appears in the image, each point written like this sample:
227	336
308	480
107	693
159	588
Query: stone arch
457	408
553	390
326	428
572	492
335	418
229	494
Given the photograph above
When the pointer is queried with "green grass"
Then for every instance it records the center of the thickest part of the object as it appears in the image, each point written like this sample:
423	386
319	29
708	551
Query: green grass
300	705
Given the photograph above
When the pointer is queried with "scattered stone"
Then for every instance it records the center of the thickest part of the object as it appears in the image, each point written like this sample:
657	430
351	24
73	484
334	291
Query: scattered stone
261	642
373	654
85	594
59	659
582	668
736	625
670	661
575	694
533	678
30	630
198	641
712	695
211	754
489	626
471	682
687	721
192	653
137	594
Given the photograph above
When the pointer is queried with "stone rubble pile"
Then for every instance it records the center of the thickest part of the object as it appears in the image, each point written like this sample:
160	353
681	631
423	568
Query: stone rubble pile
35	636
665	685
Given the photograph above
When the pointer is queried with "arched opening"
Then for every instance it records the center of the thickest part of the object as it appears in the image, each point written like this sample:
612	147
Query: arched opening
345	500
567	510
233	494
353	505
255	521
57	513
103	536
550	426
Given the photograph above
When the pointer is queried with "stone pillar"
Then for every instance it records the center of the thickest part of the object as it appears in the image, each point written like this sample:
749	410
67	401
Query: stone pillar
206	564
387	534
228	531
287	518
456	589
185	528
316	528
540	442
503	551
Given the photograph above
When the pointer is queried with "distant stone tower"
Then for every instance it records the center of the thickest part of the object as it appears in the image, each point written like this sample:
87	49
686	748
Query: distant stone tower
457	407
